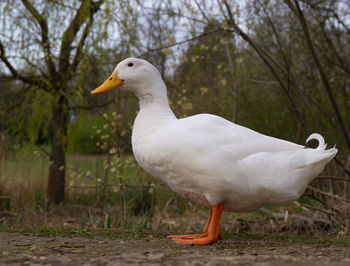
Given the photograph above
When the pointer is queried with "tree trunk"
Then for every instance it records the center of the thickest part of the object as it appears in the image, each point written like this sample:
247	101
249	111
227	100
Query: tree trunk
55	188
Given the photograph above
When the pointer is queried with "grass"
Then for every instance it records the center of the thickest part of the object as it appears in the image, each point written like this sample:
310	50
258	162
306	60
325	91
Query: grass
320	239
23	176
23	181
41	231
23	173
83	232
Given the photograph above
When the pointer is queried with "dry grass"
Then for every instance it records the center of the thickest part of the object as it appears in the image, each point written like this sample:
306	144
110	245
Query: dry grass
23	176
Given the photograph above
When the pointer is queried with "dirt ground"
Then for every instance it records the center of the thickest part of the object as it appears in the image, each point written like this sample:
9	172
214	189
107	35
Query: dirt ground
31	249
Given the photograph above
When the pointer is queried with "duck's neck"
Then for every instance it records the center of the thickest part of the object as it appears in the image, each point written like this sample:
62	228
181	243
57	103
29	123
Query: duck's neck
154	113
154	102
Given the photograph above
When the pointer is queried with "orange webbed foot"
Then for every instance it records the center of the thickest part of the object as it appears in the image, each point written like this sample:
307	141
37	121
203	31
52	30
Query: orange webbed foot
198	241
211	232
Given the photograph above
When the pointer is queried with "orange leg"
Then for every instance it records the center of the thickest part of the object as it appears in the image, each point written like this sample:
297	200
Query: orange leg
212	229
194	236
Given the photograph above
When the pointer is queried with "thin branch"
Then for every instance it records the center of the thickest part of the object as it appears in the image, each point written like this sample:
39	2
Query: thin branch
201	10
125	140
272	25
44	35
342	64
286	72
234	83
27	79
204	34
346	170
333	178
86	32
319	209
19	99
328	194
262	55
300	15
294	216
7	78
7	63
45	152
171	13
86	10
329	10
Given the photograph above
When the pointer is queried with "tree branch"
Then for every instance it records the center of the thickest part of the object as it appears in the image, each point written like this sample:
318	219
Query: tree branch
328	194
287	63
260	51
334	178
31	80
86	10
182	42
342	63
293	216
86	32
203	13
300	15
45	43
347	171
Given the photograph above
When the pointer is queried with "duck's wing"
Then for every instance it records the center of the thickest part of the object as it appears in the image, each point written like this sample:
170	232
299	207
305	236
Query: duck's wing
205	134
205	151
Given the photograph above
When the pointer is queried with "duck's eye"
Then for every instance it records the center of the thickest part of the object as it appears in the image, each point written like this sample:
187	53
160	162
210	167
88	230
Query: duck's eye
130	64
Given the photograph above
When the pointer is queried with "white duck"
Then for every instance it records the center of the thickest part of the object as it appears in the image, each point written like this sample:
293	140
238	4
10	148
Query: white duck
208	159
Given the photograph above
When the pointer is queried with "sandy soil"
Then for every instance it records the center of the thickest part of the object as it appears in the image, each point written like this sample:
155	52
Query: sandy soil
29	249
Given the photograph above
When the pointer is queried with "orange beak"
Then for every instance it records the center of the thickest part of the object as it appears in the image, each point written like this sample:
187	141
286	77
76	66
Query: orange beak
111	83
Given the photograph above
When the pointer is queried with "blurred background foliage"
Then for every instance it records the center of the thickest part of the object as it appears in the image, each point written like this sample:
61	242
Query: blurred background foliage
251	62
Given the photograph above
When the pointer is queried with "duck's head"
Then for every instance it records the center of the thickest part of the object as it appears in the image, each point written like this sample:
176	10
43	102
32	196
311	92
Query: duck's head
132	74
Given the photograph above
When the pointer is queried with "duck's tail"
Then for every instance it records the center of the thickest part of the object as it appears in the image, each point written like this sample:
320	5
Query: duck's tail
321	143
330	153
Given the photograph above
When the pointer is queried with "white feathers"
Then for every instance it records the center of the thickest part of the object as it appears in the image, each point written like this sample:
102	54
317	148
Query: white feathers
321	143
211	160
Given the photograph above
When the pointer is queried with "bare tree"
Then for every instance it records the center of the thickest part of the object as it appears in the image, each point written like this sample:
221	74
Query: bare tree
57	74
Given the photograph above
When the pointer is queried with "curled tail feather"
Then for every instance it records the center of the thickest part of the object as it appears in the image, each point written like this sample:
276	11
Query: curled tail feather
321	143
319	157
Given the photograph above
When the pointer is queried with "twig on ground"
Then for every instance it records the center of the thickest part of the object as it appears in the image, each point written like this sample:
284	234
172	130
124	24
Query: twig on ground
328	194
319	209
334	178
293	216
